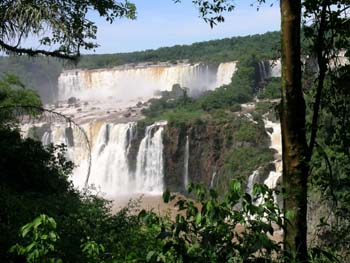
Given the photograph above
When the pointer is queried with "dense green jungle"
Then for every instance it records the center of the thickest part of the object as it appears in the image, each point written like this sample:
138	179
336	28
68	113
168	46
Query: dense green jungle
43	218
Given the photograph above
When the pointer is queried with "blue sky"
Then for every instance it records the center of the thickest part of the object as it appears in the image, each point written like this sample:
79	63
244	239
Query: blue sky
162	23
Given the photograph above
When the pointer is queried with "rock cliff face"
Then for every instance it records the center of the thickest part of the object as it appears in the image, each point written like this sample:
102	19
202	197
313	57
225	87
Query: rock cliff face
211	146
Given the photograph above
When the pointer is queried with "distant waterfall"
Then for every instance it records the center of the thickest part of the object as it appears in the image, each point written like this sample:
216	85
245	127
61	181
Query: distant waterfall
264	70
142	81
225	73
275	68
111	144
149	169
47	138
212	180
133	82
186	159
267	69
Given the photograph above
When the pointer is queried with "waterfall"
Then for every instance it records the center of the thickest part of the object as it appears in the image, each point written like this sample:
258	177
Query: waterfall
275	68
47	138
133	82
142	81
213	178
272	180
131	136
111	144
268	69
186	159
110	170
58	134
225	73
264	70
275	136
149	169
276	144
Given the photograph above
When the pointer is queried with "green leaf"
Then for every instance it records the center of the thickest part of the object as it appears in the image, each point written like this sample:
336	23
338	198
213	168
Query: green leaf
150	255
289	215
25	229
235	186
198	218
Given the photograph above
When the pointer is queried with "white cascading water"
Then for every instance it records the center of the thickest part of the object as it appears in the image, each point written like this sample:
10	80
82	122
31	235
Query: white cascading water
212	181
263	74
276	144
149	169
186	159
110	170
46	139
272	180
125	83
57	135
225	73
111	144
275	68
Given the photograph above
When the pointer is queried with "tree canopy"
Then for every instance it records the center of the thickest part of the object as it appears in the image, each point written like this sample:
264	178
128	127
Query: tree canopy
61	26
214	51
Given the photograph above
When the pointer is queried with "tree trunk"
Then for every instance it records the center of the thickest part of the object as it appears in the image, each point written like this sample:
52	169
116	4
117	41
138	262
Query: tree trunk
295	165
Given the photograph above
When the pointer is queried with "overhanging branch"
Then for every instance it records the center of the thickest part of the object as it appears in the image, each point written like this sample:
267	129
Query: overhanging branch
36	52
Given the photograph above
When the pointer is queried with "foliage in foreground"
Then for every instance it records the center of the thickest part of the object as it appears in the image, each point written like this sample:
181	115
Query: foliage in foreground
232	229
43	236
207	229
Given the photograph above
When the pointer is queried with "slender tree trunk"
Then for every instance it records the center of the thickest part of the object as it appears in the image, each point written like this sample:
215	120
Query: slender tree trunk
322	66
295	165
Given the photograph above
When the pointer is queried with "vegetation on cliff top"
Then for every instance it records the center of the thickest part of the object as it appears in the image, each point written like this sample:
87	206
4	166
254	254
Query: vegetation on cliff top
214	51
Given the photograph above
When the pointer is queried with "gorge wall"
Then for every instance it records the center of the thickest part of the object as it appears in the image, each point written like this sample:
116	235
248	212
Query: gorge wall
208	152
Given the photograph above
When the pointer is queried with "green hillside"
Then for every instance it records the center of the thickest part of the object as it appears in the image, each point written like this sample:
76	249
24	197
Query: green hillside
214	51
